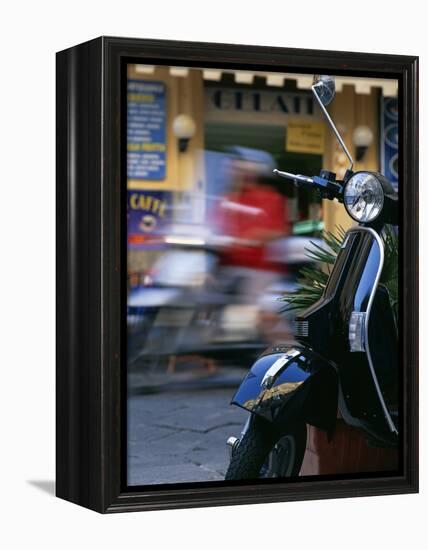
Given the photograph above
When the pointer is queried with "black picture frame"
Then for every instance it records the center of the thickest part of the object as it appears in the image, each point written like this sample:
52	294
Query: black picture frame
90	209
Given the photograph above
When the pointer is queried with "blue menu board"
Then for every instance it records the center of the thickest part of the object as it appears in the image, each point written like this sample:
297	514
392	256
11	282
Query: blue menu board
146	135
389	139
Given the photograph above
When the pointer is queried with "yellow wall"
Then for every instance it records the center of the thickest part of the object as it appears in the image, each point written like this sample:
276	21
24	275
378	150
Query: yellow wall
184	95
349	110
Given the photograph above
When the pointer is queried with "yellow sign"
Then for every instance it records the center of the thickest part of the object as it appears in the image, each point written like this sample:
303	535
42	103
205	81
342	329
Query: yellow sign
305	137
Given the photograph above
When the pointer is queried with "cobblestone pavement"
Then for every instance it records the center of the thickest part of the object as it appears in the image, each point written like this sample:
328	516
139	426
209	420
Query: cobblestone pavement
180	436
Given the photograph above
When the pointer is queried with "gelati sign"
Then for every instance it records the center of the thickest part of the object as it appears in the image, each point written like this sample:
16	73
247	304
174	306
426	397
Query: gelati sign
258	101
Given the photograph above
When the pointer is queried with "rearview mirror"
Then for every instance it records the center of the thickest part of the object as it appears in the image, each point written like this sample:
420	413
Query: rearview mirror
324	87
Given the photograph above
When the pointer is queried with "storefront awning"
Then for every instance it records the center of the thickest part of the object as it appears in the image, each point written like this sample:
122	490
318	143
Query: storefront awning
303	81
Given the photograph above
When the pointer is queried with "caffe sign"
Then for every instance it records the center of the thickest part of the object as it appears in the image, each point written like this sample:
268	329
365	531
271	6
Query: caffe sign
147	212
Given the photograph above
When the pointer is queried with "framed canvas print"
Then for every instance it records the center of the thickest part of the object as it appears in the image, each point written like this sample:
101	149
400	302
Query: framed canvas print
237	283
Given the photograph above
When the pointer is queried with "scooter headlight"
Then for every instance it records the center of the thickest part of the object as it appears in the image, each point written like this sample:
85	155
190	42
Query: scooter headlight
363	197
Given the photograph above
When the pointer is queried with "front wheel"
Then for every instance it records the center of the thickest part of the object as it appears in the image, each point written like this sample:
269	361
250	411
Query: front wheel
265	453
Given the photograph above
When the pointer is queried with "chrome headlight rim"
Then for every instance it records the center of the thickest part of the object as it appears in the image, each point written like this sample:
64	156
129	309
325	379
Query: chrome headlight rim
381	195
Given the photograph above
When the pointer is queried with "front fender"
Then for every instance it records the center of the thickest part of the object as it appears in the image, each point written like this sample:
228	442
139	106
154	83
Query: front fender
291	383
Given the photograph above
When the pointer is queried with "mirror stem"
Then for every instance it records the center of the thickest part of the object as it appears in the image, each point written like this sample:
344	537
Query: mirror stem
333	127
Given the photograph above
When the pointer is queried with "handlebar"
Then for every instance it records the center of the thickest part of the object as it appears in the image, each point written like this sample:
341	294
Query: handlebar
294	177
325	183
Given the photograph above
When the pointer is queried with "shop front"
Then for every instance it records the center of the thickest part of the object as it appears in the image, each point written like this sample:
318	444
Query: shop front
281	122
184	123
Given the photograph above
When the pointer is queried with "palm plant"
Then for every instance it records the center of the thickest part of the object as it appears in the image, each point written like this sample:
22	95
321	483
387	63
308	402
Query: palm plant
313	279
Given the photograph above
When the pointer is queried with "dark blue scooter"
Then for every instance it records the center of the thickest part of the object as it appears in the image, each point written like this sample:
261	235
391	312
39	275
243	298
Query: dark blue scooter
346	355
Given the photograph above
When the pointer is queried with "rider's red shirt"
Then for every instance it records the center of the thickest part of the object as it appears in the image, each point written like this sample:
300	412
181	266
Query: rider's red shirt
263	210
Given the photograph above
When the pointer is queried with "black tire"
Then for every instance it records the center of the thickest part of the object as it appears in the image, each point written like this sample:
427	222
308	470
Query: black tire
253	456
